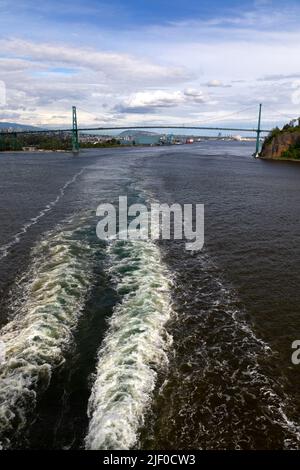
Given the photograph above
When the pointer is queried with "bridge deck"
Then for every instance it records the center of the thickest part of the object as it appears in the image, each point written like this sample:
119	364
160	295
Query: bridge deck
162	127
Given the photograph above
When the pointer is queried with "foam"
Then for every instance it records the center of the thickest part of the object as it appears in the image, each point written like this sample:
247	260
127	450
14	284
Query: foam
134	348
37	337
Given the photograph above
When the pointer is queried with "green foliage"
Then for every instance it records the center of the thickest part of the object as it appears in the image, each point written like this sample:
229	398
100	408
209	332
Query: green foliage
274	132
63	141
293	152
16	142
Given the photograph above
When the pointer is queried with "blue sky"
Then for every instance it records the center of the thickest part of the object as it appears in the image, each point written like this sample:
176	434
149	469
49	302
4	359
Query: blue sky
124	13
160	61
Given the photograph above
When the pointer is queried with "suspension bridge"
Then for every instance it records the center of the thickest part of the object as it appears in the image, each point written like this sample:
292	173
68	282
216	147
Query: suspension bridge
75	130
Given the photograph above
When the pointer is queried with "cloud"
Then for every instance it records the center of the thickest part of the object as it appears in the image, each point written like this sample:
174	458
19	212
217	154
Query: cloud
278	77
13	65
196	96
217	84
165	71
295	96
9	115
111	65
2	93
51	78
150	101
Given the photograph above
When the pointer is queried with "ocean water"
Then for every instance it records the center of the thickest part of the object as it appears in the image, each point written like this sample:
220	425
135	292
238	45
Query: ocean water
142	344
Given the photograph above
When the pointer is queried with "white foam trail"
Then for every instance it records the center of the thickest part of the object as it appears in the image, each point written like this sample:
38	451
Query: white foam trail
134	348
36	339
5	249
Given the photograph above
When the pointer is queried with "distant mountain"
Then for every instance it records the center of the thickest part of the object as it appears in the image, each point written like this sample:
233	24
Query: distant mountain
17	127
135	133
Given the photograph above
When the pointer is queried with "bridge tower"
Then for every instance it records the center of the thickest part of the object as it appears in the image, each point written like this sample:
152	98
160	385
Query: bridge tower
258	132
75	142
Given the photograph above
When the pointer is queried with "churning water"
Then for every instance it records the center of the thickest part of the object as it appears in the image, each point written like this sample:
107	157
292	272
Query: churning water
134	348
139	344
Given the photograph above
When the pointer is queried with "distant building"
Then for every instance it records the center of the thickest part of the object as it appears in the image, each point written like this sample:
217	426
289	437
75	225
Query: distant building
126	139
147	139
29	149
127	142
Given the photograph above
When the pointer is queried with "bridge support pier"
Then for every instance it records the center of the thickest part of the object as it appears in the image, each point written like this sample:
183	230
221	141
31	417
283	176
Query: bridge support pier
256	154
75	142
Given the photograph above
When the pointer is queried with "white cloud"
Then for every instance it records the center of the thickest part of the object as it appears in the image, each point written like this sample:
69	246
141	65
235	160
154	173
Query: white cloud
149	101
278	77
2	93
112	65
162	71
196	96
295	96
217	84
157	98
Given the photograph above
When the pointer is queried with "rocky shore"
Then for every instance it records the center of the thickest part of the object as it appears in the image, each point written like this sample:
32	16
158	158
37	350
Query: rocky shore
282	144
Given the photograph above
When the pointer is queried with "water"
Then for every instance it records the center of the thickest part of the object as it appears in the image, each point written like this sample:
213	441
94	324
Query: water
141	344
134	348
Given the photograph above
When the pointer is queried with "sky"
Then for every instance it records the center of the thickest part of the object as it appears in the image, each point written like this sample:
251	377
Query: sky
139	62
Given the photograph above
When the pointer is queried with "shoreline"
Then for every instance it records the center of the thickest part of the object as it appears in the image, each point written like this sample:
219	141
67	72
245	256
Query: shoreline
279	159
86	148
